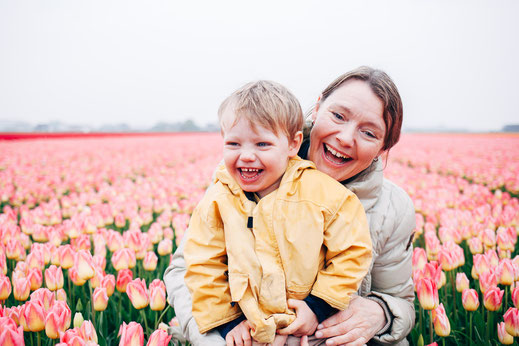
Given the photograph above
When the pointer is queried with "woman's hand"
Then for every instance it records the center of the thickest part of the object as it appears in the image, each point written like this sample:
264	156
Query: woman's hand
305	322
354	326
239	335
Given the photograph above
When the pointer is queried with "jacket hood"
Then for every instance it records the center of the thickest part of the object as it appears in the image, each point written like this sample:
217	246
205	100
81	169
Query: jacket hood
367	184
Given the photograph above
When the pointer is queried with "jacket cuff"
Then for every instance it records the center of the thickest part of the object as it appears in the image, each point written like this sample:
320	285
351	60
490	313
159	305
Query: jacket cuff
387	313
227	327
319	307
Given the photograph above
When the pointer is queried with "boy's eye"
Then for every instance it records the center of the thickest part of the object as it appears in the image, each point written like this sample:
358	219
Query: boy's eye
231	144
263	144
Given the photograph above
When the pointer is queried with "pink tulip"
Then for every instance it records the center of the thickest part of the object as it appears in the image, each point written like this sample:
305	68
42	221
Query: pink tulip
58	319
35	278
61	295
88	332
131	334
83	265
124	276
165	247
66	256
54	278
462	282
503	336
159	338
149	262
108	282
469	299
123	259
100	299
45	296
427	293
21	288
5	287
73	275
32	316
157	295
10	333
138	294
442	326
487	280
493	298
506	271
511	318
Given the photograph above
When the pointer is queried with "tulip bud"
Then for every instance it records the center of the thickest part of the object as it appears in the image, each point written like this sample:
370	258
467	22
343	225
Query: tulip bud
124	276
5	288
157	295
100	299
462	282
150	261
54	278
108	282
511	318
83	264
427	293
442	326
123	259
159	338
469	299
493	298
66	256
138	294
21	288
131	334
419	258
504	337
506	271
35	278
78	319
165	247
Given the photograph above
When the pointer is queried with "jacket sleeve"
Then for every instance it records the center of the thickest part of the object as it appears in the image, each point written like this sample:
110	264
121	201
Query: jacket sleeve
180	299
207	270
391	273
348	254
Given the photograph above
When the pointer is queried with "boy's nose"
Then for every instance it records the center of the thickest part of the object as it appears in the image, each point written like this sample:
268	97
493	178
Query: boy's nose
247	156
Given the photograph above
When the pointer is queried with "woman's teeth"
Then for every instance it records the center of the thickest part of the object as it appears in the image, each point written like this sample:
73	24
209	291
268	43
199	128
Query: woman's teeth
335	153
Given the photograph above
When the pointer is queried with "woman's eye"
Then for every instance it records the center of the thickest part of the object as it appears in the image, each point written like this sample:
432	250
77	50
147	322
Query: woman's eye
338	116
370	134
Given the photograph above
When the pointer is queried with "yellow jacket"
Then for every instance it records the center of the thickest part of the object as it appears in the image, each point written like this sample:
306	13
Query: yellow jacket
308	236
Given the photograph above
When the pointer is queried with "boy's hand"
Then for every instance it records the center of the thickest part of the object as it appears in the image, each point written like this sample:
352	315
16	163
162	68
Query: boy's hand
239	335
305	323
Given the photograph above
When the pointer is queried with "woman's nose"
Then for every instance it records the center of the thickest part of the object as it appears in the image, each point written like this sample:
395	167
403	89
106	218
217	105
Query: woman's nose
345	136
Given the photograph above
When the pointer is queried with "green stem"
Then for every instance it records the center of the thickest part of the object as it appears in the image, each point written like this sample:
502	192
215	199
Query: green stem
39	338
420	316
431	326
145	320
164	312
488	325
453	281
470	326
92	303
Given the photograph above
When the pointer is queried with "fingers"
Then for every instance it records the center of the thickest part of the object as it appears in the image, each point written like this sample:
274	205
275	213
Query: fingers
294	303
354	338
279	340
337	318
335	330
291	328
304	340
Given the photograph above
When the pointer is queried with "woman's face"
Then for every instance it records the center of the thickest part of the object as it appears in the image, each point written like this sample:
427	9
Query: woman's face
348	131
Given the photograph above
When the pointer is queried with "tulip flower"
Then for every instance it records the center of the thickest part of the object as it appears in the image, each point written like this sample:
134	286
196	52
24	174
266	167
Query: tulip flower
511	318
10	333
54	278
159	338
71	337
36	259
446	259
123	259
469	299
35	278
83	265
100	299
462	282
95	281
442	326
74	277
487	280
427	293
433	270
124	276
88	332
61	295
475	246
157	295
138	294
57	320
21	288
108	282
5	287
165	247
493	298
149	262
32	316
131	334
66	256
45	296
504	337
506	271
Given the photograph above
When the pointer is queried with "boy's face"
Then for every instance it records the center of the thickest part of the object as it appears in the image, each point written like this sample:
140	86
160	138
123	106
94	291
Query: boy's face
255	157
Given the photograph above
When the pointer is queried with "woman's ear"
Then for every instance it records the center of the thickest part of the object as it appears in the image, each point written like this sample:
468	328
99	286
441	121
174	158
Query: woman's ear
295	144
316	108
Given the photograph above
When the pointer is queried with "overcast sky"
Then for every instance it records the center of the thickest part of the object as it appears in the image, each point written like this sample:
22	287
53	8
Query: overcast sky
456	63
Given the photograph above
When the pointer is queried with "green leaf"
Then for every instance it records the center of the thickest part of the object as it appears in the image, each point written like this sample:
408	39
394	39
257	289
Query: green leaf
420	340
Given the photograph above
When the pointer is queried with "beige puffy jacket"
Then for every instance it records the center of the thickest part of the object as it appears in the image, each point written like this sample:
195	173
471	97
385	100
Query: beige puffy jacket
391	218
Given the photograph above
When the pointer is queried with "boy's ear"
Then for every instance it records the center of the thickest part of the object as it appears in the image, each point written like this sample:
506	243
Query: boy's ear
295	144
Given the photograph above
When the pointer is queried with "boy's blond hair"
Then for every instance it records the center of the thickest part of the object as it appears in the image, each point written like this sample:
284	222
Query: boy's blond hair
267	104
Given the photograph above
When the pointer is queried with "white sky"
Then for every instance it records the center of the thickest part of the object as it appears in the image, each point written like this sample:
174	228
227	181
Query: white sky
456	63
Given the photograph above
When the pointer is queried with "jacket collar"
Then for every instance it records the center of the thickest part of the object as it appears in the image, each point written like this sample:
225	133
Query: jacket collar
367	185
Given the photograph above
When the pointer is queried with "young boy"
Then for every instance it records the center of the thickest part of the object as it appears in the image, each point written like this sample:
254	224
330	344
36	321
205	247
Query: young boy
271	228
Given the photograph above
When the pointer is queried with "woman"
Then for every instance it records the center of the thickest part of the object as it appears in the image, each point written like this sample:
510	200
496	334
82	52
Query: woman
357	119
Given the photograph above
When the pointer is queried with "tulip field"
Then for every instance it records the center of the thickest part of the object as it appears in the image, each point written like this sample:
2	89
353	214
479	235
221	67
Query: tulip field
88	226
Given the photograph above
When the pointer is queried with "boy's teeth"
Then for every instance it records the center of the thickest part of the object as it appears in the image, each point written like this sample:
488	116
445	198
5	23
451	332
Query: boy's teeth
335	153
250	169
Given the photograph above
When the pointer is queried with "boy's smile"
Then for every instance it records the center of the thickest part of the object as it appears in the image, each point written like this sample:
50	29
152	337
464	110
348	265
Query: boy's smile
255	156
